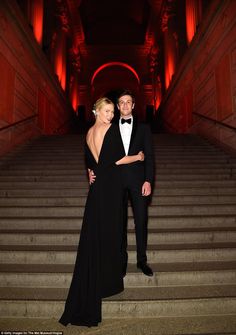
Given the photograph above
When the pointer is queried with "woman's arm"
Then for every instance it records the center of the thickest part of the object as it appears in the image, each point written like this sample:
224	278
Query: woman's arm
131	159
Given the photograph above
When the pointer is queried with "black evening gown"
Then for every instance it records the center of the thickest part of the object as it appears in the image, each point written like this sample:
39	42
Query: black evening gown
98	268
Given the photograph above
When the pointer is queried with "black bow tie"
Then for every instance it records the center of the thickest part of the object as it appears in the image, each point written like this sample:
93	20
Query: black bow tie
126	120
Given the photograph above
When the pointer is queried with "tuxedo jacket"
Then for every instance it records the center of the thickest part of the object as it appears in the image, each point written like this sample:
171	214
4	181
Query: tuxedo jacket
141	140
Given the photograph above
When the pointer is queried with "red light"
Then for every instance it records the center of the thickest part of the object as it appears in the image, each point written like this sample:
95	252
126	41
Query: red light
114	64
191	19
37	20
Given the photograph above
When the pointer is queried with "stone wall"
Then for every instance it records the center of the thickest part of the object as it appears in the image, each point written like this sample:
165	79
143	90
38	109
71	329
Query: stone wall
205	83
30	96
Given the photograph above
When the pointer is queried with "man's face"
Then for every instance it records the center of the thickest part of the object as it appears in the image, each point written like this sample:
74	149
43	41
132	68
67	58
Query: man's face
125	106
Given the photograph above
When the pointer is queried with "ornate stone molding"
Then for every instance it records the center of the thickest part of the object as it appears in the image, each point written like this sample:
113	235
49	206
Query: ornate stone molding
75	59
153	59
62	13
168	12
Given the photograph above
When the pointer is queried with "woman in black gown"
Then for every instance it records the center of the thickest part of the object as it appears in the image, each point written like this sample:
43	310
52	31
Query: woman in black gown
98	268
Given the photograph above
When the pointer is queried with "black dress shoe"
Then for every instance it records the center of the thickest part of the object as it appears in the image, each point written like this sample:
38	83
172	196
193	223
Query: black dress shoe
145	268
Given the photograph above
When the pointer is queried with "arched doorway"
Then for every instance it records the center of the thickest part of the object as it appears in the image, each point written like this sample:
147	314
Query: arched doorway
111	78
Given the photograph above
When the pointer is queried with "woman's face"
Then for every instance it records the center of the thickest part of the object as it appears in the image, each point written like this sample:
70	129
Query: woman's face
105	113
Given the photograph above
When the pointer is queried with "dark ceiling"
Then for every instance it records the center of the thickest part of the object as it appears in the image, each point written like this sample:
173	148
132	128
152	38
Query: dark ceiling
114	22
107	31
118	21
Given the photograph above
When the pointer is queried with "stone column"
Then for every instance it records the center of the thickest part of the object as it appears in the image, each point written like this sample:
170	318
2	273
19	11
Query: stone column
170	38
59	44
74	78
60	58
155	77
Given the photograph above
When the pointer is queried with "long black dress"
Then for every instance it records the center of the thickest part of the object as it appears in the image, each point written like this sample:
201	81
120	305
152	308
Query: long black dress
98	268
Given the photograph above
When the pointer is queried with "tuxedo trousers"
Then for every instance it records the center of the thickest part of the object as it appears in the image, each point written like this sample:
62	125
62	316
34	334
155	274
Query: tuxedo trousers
139	203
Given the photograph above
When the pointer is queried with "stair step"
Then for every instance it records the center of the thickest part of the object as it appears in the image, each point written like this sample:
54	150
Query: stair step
77	211
65	254
14	180
202	325
80	200
173	166
75	157
75	160
158	222
73	164
136	302
78	156
79	192
134	294
84	184
72	238
14	175
183	274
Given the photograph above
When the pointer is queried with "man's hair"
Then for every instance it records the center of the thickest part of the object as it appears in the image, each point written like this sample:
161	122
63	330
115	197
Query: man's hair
125	92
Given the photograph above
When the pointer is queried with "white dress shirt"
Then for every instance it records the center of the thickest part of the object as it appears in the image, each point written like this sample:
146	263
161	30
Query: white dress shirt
125	131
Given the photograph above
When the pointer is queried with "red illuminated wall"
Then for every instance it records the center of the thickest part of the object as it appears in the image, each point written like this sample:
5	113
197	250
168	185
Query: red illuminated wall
224	88
74	92
37	19
205	81
193	17
29	91
60	59
170	57
6	90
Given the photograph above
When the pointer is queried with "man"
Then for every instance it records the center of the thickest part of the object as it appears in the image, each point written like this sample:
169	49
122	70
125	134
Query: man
137	177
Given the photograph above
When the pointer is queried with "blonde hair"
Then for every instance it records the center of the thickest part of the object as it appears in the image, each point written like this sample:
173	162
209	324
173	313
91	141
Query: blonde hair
100	103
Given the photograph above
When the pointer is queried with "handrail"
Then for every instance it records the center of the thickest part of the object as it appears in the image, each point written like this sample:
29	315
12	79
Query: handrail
18	122
215	121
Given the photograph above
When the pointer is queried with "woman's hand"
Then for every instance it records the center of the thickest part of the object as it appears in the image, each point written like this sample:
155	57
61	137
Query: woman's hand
91	176
141	156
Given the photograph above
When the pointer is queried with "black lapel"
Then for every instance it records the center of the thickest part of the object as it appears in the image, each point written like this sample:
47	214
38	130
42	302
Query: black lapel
134	129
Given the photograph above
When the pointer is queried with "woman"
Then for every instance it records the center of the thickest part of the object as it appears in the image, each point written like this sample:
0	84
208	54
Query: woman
98	268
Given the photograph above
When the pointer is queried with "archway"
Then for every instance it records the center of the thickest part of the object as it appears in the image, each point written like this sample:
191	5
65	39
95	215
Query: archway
112	77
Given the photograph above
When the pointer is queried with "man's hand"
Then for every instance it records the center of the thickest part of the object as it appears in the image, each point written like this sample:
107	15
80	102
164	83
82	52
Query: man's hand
146	189
91	176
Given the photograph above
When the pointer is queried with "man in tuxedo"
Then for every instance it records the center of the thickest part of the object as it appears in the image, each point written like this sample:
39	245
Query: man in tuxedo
137	177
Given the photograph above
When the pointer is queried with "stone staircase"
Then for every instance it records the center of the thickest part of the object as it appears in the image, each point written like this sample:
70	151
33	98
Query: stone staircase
191	241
